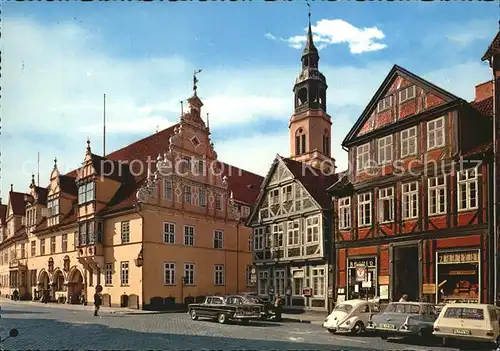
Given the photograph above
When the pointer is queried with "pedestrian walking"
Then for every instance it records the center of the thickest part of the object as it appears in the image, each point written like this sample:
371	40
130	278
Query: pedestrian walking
97	299
277	308
404	298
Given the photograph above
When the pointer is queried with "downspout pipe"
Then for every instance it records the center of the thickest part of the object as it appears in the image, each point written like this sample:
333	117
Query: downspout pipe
138	209
495	183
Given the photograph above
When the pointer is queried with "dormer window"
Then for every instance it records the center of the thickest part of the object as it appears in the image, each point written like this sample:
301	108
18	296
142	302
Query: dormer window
31	216
86	193
53	207
407	94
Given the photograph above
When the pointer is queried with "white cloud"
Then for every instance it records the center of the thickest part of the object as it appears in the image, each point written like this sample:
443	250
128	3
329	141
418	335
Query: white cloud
338	31
54	77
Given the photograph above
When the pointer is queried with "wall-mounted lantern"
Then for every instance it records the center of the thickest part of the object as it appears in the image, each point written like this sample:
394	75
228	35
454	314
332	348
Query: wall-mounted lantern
139	261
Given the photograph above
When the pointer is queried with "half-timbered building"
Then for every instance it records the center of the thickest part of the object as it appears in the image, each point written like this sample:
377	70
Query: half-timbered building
412	210
292	218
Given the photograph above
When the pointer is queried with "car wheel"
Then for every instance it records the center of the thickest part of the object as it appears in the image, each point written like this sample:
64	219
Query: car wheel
245	321
331	331
358	328
194	316
221	318
383	337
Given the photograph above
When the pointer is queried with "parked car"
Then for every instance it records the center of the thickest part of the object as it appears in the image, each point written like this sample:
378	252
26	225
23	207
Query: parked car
225	308
267	306
467	321
350	316
404	319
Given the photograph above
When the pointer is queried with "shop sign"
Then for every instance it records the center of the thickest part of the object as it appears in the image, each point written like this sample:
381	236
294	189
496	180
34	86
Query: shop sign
383	280
253	275
360	273
367	284
429	289
307	292
368	262
458	257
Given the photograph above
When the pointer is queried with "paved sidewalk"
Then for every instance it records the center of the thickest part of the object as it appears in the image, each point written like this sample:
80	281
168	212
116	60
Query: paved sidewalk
90	308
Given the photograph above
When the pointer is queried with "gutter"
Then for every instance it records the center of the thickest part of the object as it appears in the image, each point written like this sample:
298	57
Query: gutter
495	182
138	208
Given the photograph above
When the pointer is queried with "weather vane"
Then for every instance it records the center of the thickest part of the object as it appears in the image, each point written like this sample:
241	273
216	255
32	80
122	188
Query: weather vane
195	80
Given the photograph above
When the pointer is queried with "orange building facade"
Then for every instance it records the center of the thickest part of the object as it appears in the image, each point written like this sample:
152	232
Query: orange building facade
156	223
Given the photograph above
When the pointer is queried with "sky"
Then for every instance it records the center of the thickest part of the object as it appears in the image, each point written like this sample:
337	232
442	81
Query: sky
58	59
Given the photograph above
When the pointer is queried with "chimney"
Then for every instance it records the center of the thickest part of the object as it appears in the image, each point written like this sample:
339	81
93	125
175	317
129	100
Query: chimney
484	91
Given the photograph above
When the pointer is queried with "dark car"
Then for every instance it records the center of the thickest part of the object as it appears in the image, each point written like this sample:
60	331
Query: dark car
267	306
225	309
404	319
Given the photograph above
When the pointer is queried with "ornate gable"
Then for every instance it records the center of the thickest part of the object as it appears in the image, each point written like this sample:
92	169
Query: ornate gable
401	95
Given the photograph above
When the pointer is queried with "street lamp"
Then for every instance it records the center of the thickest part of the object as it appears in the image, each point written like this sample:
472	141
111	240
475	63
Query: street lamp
139	261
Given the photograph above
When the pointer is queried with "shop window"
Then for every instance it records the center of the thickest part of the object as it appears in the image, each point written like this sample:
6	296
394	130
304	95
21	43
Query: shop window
458	276
365	285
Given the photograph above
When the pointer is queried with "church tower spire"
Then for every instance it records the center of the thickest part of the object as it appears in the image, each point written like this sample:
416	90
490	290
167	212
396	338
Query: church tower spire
310	125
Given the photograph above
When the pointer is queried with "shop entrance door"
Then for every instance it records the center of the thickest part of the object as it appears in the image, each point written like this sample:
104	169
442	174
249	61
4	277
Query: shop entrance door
406	272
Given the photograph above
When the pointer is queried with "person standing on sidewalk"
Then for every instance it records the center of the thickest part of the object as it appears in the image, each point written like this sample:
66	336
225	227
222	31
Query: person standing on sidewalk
97	299
277	308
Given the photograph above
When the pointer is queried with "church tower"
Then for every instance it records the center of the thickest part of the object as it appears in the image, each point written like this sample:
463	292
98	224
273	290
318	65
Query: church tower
310	125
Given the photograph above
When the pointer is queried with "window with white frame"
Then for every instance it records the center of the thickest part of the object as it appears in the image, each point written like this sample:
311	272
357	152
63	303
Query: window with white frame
274	196
218	239
318	282
169	273
263	282
467	184
363	157
189	273
52	207
312	229
167	189
125	231
86	193
386	205
124	274
258	238
344	213
409	142
410	200
364	209
293	232
385	150
202	197
219	274
407	93
435	133
384	104
437	195
188	235
168	233
187	194
278	235
286	193
108	273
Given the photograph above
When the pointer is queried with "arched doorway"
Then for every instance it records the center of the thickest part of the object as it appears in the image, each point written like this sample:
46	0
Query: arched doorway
58	286
43	280
75	285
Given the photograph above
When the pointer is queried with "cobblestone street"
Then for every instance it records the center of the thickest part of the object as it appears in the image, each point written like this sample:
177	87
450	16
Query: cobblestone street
45	327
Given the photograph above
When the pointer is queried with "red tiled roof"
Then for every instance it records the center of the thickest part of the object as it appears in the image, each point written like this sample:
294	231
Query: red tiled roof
485	107
244	185
20	233
3	213
313	180
492	48
17	203
67	183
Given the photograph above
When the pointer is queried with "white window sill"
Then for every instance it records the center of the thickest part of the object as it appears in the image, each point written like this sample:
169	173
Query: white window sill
435	147
386	222
437	214
410	218
468	209
364	225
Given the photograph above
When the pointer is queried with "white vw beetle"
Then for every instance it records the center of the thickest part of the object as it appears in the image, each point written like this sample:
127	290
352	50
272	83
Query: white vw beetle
350	316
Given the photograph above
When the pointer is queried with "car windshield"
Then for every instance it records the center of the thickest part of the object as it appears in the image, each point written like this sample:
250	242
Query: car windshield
464	313
234	300
402	308
343	308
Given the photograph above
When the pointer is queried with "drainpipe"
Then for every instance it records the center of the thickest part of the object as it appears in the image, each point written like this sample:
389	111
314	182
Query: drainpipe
138	209
237	257
495	185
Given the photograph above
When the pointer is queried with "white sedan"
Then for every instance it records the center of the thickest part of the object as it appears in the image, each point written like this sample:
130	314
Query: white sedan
350	316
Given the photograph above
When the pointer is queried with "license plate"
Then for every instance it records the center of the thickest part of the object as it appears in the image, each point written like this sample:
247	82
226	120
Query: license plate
387	326
461	331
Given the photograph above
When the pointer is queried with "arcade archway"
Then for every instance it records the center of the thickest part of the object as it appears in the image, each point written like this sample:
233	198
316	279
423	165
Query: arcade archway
75	285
